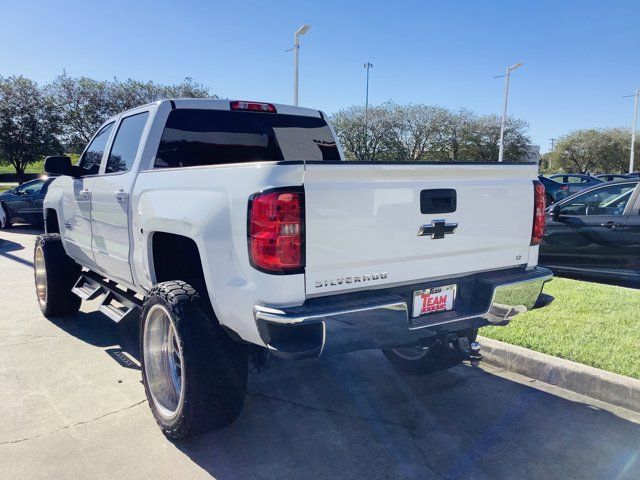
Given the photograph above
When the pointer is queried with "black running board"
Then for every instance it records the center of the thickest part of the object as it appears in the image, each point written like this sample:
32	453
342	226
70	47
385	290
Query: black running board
117	304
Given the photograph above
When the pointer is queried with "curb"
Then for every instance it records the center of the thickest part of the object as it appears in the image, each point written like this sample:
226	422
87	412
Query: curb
589	381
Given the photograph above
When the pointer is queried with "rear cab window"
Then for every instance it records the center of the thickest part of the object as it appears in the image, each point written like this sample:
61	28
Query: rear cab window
193	137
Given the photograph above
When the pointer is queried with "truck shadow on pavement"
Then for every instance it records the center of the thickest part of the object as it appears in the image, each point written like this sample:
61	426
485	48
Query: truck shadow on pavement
119	341
7	248
354	416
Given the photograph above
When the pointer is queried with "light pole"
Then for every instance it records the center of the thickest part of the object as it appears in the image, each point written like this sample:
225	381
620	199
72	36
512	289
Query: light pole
296	49
633	128
504	111
368	66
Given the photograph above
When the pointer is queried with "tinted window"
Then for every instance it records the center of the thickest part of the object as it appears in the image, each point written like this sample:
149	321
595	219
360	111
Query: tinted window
93	155
547	182
125	145
576	180
209	137
31	188
610	200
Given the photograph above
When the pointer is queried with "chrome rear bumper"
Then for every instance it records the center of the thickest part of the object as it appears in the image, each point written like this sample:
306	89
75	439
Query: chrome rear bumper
381	319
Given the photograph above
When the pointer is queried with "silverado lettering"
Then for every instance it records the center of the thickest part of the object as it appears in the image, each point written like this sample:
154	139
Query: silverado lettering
353	279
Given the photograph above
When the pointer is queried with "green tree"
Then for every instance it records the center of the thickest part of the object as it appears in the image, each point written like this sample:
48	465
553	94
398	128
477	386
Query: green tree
378	142
592	151
29	124
482	139
423	132
85	103
417	127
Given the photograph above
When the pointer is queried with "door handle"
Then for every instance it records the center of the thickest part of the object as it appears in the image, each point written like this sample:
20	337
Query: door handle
611	225
84	193
121	195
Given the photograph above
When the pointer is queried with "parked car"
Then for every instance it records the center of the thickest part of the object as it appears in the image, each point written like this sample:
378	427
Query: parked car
611	177
23	204
236	227
553	191
596	232
575	181
633	175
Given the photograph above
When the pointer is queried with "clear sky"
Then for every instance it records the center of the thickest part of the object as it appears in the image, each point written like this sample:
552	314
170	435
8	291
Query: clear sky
580	57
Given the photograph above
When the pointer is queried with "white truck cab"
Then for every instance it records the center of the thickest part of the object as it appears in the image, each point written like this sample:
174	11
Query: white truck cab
227	227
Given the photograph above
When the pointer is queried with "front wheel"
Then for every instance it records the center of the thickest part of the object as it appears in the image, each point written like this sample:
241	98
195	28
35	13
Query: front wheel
421	360
194	374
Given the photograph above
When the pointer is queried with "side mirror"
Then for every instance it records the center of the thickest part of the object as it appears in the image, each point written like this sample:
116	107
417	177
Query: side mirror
58	165
555	212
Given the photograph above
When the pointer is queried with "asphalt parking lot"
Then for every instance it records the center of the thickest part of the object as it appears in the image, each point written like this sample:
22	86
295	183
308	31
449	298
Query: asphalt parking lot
72	406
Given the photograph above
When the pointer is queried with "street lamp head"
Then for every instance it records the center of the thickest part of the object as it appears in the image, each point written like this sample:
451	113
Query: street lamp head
368	65
515	66
302	30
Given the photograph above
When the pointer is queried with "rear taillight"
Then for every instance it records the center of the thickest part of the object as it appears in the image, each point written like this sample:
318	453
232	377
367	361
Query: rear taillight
276	231
539	204
252	106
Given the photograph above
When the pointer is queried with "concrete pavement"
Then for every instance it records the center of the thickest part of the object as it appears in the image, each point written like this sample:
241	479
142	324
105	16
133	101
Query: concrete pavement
72	406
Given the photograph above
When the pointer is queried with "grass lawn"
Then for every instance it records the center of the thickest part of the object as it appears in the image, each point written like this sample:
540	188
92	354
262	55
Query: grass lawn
36	167
598	325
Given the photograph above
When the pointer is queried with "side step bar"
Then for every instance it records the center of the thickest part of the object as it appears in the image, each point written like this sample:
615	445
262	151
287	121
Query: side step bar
116	304
87	289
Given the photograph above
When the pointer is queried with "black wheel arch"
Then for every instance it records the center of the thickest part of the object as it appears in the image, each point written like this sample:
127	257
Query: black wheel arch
51	224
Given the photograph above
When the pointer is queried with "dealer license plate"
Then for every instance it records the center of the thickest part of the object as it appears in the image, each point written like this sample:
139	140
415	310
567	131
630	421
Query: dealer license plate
433	300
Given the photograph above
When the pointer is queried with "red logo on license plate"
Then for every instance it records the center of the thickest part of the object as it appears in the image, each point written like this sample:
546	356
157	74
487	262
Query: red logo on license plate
432	303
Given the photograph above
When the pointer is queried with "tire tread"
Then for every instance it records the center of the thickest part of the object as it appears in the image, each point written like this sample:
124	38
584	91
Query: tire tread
215	365
61	274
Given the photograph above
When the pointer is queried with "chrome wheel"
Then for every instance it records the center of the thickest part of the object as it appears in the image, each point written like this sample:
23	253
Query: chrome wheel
163	362
41	276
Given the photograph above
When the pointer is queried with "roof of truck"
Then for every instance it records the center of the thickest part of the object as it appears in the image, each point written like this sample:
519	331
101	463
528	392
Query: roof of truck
223	104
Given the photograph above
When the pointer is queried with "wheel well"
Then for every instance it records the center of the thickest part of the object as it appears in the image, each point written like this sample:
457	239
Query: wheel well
51	221
176	257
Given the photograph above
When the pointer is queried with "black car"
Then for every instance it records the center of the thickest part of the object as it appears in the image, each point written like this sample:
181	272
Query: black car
553	190
596	232
23	204
611	177
575	181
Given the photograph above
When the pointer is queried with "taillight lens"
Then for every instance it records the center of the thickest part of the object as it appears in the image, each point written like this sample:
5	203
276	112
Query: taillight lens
539	204
276	236
252	106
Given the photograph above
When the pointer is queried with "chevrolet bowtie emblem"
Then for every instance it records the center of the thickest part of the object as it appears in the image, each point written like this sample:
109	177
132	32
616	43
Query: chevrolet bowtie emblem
437	229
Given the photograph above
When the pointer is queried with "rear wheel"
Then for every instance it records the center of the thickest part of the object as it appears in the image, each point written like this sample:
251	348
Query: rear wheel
421	360
194	374
55	274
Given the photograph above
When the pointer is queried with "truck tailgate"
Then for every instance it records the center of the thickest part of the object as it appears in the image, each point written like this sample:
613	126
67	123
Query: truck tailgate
363	220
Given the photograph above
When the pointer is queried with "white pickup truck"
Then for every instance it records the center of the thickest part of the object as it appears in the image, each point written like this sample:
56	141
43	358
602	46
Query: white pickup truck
231	229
